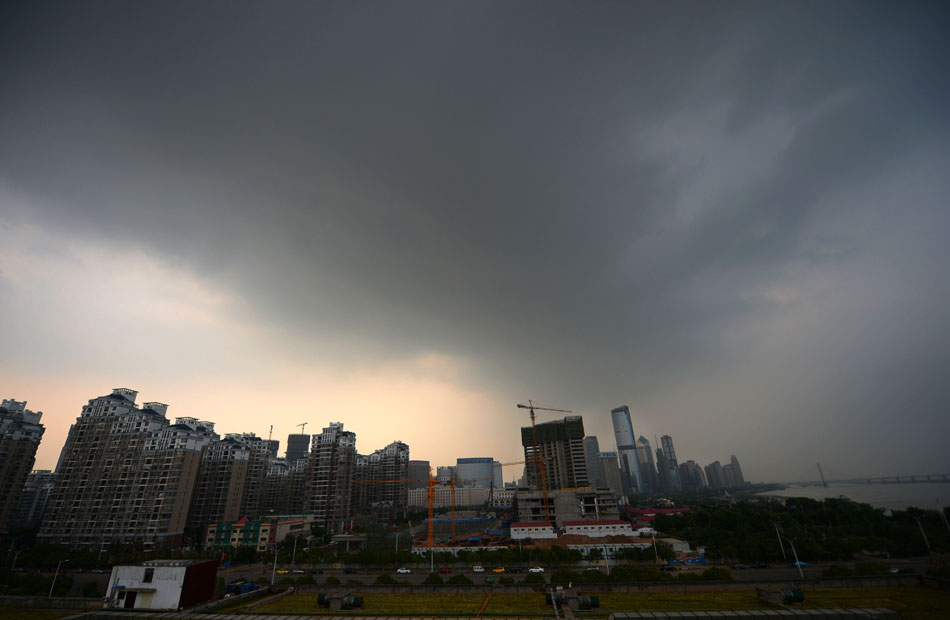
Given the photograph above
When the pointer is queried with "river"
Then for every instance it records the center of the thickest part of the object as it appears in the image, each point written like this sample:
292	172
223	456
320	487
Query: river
928	495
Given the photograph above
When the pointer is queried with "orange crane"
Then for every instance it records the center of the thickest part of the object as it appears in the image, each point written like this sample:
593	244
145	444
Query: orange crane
537	455
430	499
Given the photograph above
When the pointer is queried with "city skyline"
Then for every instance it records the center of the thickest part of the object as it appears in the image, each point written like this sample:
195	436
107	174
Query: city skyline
410	218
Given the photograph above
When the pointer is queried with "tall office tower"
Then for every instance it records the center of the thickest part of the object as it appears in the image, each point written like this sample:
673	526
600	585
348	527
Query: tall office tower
592	456
478	471
740	480
34	498
419	474
714	476
647	467
610	471
219	490
389	463
444	473
670	452
560	449
498	475
627	451
332	465
20	435
298	447
126	474
273	448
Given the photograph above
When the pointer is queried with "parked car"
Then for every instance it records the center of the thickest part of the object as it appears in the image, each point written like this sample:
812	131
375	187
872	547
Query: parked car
763	565
403	570
668	567
298	571
349	571
535	569
445	570
800	564
283	571
740	566
500	569
514	569
478	569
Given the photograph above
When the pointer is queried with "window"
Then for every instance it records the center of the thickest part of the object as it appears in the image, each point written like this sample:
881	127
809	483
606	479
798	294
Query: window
149	573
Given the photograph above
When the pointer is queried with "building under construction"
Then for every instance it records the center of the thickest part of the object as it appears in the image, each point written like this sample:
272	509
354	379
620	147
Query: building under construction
559	447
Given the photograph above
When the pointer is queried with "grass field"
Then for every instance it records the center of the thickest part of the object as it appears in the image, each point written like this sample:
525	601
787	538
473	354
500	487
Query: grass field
12	613
913	603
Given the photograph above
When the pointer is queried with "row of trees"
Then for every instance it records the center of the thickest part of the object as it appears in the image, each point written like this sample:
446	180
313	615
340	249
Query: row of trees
833	529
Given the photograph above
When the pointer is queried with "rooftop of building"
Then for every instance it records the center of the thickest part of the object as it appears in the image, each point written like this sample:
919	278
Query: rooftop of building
598	522
531	524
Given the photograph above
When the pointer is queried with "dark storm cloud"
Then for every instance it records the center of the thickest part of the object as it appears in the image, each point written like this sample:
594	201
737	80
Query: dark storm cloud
500	181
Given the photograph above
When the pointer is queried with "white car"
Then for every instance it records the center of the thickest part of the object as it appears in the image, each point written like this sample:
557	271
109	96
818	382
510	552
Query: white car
403	571
478	569
536	569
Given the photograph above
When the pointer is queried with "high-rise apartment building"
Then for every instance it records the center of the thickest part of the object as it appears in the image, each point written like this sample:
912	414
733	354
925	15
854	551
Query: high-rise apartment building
20	435
34	499
560	450
391	464
126	474
258	461
273	448
592	456
298	447
219	490
332	468
627	450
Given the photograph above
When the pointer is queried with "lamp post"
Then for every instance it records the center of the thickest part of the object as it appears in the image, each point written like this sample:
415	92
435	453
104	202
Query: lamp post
780	545
798	564
55	575
924	534
273	574
293	557
606	560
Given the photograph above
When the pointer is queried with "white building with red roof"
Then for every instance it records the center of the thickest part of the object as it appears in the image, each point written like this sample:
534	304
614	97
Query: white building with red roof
599	528
535	530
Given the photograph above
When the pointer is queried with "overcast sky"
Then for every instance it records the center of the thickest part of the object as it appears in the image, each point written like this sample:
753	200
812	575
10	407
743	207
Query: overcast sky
409	217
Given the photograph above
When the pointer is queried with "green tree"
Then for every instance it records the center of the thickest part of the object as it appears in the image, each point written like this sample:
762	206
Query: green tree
433	579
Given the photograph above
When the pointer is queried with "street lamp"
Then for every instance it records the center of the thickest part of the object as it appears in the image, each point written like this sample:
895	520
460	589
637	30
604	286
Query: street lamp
798	564
273	574
606	560
55	575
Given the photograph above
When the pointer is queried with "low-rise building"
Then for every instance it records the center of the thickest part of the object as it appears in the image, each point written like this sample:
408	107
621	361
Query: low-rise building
599	528
162	584
255	534
535	530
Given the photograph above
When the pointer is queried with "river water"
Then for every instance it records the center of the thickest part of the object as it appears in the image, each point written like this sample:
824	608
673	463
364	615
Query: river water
927	495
